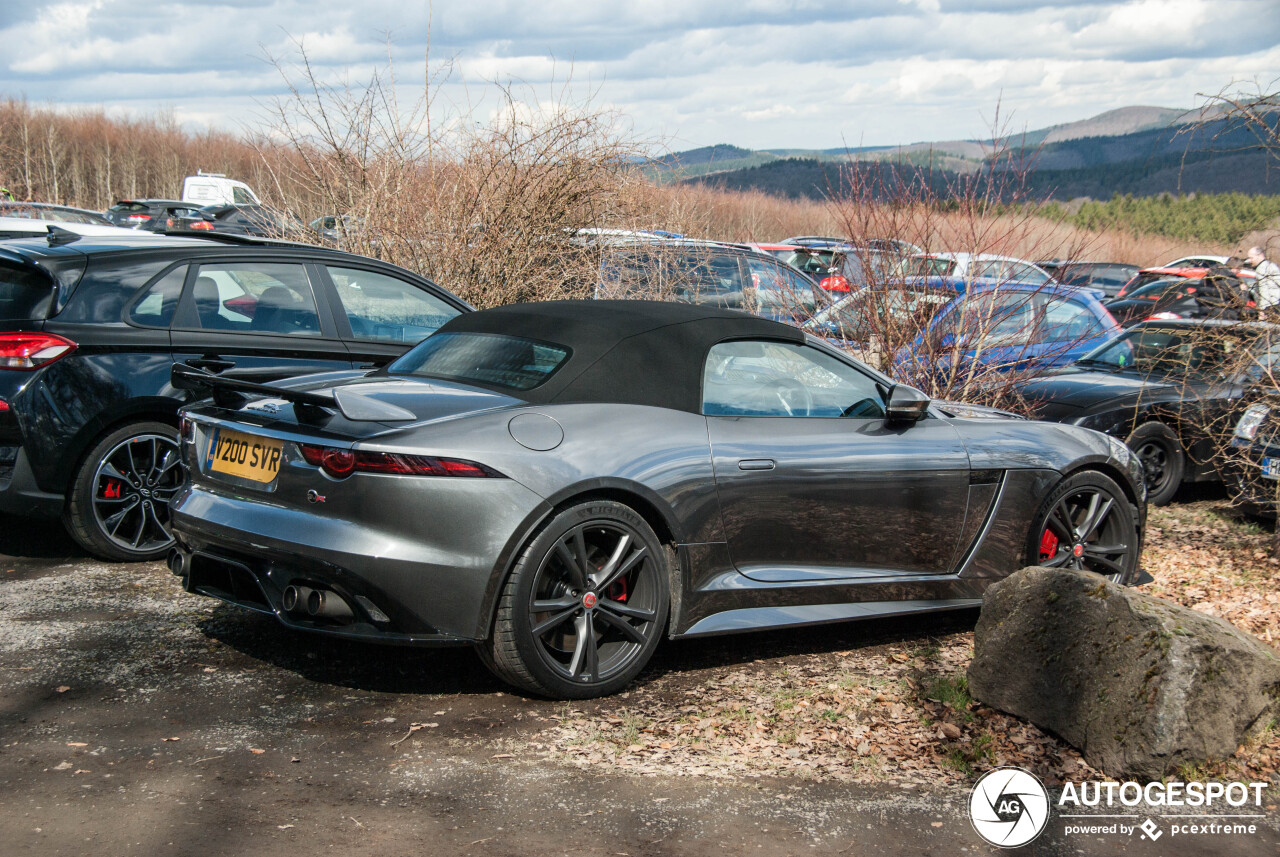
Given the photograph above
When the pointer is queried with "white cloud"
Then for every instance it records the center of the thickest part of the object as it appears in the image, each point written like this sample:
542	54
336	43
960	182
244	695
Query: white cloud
753	72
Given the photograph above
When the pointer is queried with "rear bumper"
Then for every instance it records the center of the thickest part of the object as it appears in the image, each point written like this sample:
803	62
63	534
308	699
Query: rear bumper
19	493
432	581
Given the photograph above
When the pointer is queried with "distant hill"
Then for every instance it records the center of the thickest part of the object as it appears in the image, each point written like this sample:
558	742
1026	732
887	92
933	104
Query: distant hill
1148	151
1124	120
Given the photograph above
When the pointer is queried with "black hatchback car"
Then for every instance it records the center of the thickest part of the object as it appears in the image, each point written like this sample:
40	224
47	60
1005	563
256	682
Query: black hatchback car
89	328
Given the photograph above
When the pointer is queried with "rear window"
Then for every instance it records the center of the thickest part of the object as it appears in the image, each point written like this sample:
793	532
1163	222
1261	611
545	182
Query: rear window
25	294
128	206
483	358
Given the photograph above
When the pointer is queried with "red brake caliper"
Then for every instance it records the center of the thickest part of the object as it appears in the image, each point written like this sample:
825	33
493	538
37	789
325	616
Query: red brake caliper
620	588
112	491
1048	545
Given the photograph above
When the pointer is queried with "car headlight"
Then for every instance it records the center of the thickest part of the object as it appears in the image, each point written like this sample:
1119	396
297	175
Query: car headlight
1119	451
1247	428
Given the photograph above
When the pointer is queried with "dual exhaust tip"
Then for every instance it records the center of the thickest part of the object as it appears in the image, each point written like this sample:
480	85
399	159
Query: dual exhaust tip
316	603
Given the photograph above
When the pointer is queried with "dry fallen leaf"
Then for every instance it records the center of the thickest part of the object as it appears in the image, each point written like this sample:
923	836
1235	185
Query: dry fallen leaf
77	744
63	688
255	751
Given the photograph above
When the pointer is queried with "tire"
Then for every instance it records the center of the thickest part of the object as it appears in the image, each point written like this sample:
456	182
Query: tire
1163	461
118	507
1086	523
619	592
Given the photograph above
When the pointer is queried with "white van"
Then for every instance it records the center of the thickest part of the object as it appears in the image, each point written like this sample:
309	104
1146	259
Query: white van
216	189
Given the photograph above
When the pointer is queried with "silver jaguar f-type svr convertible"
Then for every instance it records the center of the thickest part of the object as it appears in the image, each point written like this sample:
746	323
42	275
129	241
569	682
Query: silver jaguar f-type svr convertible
562	484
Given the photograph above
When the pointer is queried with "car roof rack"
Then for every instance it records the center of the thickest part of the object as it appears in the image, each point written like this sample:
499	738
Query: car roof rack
235	238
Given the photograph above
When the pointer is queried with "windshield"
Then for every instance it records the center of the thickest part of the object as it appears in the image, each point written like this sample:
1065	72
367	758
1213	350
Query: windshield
1169	351
483	358
869	311
815	263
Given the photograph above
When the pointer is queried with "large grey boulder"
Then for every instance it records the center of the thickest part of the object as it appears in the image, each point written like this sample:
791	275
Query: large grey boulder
1137	684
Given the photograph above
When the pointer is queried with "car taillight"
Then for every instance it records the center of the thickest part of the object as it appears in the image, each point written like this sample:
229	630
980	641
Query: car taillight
201	224
1163	316
32	350
341	463
4	406
835	284
138	218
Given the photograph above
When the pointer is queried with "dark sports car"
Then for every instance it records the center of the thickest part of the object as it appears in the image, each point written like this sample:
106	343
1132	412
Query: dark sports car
561	484
1170	389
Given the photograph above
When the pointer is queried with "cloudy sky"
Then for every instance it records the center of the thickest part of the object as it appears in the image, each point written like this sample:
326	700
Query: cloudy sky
758	73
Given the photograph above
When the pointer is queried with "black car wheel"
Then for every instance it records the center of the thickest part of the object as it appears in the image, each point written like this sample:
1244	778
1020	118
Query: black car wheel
1158	449
1086	523
585	605
118	508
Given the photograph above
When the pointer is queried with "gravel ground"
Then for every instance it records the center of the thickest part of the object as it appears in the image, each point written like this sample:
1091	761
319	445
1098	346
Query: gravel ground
135	718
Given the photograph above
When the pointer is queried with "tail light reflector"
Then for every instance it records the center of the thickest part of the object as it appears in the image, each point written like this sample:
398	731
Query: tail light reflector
139	218
835	284
4	406
341	463
201	224
28	351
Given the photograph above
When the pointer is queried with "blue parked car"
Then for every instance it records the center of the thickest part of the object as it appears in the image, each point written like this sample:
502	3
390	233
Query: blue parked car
1007	326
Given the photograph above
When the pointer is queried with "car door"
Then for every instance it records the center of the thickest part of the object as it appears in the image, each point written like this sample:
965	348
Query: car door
257	320
812	484
381	316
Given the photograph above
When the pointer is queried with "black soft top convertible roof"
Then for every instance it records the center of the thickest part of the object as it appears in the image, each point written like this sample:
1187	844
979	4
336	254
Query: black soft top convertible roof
628	352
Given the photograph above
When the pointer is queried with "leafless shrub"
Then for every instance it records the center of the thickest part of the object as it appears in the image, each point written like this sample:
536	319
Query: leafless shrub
980	353
487	208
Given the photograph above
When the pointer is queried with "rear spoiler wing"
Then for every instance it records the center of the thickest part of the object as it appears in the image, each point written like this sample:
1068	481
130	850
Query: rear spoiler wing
231	393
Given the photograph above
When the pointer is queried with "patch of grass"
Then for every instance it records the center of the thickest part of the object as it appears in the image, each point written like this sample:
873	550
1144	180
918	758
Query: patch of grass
947	689
964	757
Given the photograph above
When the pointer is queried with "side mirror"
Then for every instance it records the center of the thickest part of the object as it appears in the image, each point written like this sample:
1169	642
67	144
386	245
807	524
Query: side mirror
905	405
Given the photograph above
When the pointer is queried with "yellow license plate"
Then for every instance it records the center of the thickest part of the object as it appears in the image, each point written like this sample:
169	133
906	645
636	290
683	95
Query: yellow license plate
247	456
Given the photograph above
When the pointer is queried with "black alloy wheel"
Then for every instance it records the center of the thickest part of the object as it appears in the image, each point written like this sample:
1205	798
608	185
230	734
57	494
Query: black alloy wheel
1160	452
119	503
585	606
1087	523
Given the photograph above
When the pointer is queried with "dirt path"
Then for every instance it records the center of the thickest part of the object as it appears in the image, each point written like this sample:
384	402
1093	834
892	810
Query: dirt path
137	719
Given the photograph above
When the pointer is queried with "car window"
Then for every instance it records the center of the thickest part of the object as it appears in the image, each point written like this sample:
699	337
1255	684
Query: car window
988	269
1022	273
241	197
988	320
928	266
780	379
1066	320
387	309
485	358
880	311
256	297
156	306
776	289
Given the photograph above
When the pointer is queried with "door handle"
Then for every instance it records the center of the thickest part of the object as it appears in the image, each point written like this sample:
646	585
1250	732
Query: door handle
212	363
756	464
